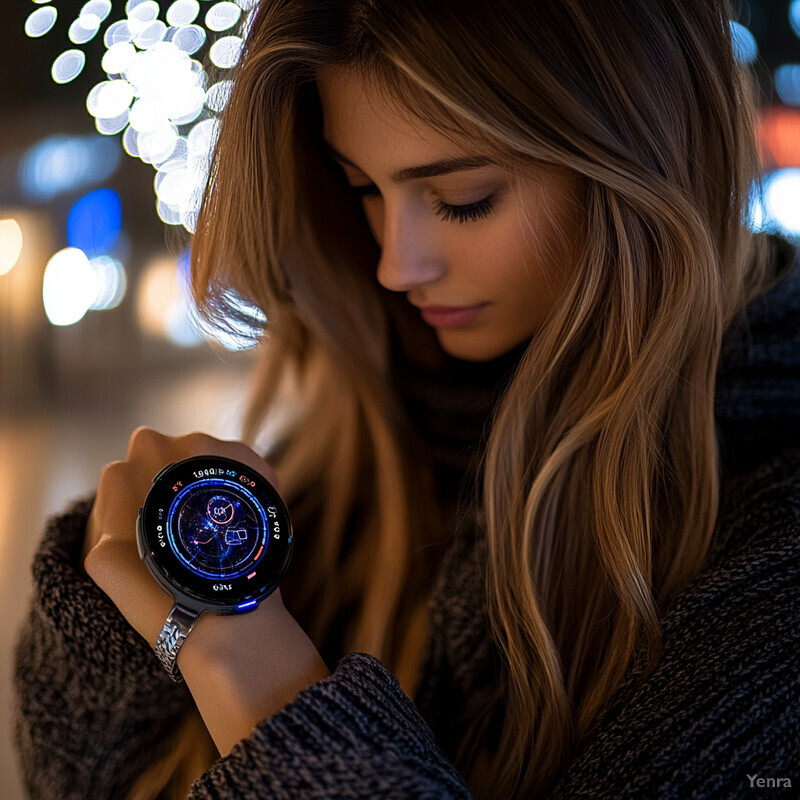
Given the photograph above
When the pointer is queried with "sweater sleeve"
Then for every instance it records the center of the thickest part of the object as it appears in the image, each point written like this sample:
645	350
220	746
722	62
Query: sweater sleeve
92	703
353	735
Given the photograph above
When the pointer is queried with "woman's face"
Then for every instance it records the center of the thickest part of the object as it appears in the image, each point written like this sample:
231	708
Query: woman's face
455	236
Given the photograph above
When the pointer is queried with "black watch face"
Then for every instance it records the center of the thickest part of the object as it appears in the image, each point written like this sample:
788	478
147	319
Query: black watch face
217	531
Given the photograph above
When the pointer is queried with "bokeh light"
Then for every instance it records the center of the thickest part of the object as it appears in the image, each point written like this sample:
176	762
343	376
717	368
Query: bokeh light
68	66
110	282
97	8
163	304
218	94
787	83
794	16
744	44
189	38
84	29
109	99
779	137
40	21
10	244
68	287
156	94
94	222
118	58
225	52
222	16
66	163
781	194
183	12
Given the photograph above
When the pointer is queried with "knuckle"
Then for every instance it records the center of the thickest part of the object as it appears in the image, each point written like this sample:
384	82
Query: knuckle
113	472
144	435
200	439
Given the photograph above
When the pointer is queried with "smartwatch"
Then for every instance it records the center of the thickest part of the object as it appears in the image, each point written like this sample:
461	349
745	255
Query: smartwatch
216	535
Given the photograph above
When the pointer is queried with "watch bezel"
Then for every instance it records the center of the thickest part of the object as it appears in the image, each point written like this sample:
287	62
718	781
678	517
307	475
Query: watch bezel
219	595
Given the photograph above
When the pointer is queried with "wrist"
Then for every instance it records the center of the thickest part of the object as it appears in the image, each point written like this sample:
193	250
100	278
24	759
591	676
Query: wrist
244	668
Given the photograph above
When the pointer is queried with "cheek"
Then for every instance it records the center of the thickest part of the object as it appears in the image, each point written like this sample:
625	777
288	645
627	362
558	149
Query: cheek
536	250
522	271
502	259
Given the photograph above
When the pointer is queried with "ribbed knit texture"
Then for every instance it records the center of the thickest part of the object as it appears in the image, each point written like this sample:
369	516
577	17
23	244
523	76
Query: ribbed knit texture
93	704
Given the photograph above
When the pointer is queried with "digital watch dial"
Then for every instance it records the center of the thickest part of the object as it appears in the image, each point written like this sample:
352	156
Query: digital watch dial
215	534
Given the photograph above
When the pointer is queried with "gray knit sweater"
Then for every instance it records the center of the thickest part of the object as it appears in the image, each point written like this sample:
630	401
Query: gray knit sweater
718	718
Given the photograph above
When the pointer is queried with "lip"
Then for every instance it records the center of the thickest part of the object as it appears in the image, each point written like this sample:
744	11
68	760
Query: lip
450	316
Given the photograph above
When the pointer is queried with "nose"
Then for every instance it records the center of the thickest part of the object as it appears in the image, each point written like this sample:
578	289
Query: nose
409	253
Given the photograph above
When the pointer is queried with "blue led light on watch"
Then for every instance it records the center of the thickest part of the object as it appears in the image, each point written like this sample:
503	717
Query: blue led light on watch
248	604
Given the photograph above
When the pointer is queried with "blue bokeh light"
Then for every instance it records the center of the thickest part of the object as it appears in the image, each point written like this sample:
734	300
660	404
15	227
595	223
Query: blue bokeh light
65	163
794	16
787	83
94	222
744	44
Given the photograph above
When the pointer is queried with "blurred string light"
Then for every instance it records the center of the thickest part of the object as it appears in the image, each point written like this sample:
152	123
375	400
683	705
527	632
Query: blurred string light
10	244
74	284
745	48
156	94
41	21
65	163
68	66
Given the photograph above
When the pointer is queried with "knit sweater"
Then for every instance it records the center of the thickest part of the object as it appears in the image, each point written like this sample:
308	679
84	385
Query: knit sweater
719	717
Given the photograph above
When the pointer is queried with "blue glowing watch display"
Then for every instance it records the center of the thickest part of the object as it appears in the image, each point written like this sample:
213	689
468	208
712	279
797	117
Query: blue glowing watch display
215	534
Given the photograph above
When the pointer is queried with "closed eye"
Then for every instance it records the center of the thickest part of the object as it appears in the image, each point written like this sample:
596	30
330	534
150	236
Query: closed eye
469	212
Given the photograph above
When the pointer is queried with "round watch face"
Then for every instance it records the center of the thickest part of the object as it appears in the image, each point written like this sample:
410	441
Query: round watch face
215	533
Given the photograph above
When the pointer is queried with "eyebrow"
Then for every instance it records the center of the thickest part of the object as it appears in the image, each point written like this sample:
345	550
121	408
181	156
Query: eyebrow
442	167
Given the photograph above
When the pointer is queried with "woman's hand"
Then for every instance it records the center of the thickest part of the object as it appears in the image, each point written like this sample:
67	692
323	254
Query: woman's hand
111	557
240	669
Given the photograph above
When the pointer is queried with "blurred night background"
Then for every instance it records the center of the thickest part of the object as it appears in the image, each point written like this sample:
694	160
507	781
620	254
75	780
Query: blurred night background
107	113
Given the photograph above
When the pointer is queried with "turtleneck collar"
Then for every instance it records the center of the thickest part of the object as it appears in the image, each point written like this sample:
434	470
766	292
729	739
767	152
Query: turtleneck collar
450	404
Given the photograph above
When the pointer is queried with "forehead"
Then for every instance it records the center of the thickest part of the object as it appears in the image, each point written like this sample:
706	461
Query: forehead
358	113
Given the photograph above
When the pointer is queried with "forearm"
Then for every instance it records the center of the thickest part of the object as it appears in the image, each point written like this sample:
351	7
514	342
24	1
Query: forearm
356	734
92	705
274	661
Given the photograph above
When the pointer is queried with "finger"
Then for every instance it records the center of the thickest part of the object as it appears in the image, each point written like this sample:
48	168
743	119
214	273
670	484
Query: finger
120	492
152	451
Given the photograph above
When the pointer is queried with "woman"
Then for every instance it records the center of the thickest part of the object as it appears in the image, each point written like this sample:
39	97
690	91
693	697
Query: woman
535	512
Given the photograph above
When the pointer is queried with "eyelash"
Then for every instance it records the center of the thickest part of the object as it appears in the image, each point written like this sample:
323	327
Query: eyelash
470	212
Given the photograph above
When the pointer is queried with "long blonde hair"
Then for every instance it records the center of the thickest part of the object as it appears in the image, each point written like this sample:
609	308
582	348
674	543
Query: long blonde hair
600	478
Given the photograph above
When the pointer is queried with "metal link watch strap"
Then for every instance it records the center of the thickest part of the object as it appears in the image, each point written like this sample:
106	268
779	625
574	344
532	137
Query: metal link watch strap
179	624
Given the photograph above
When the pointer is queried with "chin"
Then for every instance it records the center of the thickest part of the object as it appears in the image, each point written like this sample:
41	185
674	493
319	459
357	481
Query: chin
472	347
